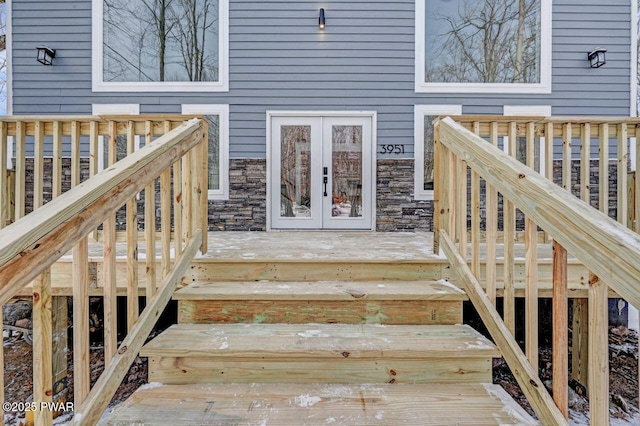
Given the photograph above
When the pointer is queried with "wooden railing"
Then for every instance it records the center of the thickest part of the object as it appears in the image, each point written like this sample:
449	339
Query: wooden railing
603	245
29	246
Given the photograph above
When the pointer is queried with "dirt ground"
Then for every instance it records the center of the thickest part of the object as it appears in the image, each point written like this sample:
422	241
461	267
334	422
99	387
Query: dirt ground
623	377
623	355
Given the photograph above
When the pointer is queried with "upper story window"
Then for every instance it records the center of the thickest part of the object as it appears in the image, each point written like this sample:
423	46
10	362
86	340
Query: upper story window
160	45
483	46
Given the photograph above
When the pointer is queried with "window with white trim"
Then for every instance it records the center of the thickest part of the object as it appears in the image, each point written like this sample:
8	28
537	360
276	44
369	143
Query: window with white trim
218	170
160	45
423	116
483	46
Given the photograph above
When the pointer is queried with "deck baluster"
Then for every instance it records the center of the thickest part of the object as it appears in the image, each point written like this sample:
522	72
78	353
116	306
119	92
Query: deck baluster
622	167
560	334
509	224
475	215
42	346
20	185
491	225
150	224
109	267
132	244
531	265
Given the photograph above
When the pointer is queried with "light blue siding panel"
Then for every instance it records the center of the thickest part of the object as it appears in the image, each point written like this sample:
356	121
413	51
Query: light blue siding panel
280	60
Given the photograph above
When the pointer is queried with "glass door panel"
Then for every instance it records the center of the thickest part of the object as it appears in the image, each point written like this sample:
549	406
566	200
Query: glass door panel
347	150
295	171
346	171
296	149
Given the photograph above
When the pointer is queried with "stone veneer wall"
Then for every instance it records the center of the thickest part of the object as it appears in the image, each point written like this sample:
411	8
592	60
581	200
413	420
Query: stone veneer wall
396	208
246	208
48	172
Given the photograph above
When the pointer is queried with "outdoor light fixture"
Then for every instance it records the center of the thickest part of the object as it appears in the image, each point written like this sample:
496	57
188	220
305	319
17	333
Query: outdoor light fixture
46	55
321	19
597	58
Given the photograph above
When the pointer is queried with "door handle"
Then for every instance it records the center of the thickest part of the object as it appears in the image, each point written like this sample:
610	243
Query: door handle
325	179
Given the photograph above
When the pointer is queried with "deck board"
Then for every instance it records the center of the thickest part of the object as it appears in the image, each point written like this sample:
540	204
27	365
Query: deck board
347	302
320	404
320	340
319	255
321	290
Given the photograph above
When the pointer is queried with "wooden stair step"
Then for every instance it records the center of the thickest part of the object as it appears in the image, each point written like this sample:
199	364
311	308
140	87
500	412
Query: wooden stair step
321	290
319	404
350	302
342	353
314	340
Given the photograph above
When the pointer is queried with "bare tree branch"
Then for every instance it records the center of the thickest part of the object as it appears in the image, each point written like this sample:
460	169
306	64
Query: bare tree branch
484	41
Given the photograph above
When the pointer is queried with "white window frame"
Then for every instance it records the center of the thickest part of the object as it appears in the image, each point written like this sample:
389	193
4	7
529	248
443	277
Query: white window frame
221	110
97	61
531	111
419	112
113	109
421	86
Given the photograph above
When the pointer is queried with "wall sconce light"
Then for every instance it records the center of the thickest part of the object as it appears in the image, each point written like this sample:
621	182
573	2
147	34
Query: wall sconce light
597	57
45	55
321	19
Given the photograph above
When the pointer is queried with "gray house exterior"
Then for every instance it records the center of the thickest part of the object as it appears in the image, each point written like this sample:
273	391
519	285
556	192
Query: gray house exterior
277	67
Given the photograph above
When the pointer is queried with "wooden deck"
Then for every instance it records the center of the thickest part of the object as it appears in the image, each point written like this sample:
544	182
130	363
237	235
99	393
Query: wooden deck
313	256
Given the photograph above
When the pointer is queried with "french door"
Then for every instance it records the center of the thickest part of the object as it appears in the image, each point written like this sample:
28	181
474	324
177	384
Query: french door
321	172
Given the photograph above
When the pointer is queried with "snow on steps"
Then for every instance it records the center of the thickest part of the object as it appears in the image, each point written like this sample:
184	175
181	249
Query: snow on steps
320	404
328	353
387	302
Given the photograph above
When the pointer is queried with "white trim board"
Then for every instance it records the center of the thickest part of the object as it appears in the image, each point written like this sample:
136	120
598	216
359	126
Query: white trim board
421	86
97	61
221	111
419	111
527	110
115	109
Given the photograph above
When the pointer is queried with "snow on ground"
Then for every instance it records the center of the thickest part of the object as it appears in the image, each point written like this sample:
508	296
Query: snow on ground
581	419
634	319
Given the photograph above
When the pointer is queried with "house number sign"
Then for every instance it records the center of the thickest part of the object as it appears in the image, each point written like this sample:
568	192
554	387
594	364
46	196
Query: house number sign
392	149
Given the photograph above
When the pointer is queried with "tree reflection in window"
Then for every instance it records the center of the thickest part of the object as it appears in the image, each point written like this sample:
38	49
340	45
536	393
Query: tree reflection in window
160	40
483	41
295	171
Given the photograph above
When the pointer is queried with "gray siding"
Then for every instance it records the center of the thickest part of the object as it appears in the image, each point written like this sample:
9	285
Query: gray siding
280	60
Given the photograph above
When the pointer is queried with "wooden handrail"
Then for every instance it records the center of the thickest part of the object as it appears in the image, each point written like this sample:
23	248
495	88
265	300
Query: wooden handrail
98	399
607	248
30	245
598	241
525	374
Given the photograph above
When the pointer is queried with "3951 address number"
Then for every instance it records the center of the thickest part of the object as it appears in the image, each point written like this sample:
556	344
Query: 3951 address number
392	149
